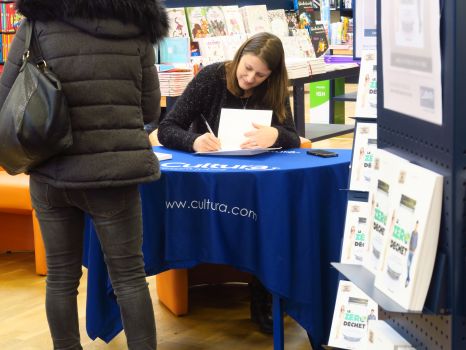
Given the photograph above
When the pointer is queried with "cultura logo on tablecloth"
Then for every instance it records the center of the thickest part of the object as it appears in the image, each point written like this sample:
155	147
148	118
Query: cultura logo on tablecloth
217	166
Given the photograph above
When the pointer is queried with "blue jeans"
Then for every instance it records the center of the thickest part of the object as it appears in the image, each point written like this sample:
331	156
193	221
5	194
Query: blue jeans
116	212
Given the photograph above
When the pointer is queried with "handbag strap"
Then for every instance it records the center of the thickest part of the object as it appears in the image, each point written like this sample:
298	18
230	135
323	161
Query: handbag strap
27	42
31	44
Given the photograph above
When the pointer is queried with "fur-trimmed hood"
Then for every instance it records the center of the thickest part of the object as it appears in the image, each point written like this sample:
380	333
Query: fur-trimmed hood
149	16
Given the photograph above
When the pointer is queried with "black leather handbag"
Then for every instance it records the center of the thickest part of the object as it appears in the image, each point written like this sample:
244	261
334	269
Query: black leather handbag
34	120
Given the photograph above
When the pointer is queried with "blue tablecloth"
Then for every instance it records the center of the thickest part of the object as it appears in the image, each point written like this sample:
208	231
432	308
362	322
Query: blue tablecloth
279	215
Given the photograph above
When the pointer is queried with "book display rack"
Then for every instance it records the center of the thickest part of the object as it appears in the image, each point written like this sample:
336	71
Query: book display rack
441	148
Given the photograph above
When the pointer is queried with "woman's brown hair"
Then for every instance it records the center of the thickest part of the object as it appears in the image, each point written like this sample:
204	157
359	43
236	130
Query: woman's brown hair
273	92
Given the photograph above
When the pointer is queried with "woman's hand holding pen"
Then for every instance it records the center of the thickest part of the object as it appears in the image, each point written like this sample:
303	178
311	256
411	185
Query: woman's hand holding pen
206	143
261	136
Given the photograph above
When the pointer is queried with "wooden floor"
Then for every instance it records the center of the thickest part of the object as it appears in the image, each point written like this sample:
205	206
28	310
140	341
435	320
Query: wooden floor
218	317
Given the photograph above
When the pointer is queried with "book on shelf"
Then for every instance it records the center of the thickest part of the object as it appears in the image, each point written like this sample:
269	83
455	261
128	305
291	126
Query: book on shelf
7	40
212	49
292	48
292	21
381	336
354	310
278	22
216	20
319	39
174	50
366	100
304	42
178	26
231	44
305	11
355	235
364	148
408	263
233	20
387	174
347	4
197	22
10	18
298	46
316	4
255	18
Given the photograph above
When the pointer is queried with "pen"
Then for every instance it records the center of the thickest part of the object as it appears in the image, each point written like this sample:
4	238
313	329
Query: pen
207	124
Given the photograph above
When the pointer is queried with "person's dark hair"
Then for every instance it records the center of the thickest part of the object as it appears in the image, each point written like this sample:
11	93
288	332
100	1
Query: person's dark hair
274	90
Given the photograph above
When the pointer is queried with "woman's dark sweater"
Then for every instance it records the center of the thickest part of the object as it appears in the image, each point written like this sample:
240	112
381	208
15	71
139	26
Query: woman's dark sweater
206	95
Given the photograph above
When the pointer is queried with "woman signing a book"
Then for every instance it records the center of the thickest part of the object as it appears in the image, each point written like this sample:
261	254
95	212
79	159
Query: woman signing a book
255	79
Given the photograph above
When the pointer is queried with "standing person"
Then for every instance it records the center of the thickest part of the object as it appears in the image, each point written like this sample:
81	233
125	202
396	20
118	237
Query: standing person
102	51
255	79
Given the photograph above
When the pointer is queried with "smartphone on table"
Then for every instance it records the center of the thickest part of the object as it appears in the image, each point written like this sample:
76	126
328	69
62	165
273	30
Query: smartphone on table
322	153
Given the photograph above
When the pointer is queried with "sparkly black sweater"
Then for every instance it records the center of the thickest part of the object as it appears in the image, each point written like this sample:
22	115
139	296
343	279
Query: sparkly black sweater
207	94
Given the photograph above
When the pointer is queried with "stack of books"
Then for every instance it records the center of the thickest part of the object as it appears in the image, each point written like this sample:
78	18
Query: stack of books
299	67
173	82
336	66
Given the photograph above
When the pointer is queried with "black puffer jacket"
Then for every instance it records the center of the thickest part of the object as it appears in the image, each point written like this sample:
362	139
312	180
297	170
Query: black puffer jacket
102	51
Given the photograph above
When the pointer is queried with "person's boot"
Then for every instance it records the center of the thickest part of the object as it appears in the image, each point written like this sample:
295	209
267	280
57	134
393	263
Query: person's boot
261	306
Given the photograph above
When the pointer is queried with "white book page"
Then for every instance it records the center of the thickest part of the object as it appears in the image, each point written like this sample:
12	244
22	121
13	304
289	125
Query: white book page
163	156
234	123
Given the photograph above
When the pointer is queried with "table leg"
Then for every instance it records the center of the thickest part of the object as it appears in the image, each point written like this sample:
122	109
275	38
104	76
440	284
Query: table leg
278	337
298	108
331	102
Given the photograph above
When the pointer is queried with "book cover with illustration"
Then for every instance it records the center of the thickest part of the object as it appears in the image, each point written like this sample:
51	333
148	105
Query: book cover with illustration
216	19
407	266
197	22
233	20
212	50
305	12
292	20
364	148
231	44
366	100
319	39
354	310
278	22
304	43
177	22
256	18
355	236
387	175
174	50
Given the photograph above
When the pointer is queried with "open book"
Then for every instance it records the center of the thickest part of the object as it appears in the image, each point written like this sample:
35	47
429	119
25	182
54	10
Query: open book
234	123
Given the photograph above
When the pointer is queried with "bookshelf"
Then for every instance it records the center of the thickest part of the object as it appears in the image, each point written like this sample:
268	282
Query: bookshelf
441	148
9	21
271	4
